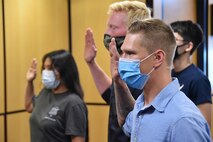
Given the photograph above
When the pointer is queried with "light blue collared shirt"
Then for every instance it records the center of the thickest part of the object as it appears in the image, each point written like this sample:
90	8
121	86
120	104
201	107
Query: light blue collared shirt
170	117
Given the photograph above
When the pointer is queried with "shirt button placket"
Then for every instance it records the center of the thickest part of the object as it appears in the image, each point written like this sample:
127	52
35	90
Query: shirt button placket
135	139
139	116
138	120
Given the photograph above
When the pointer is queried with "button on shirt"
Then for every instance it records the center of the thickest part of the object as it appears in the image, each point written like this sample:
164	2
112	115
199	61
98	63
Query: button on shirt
170	117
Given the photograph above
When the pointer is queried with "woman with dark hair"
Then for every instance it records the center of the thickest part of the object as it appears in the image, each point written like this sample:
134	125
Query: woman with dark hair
59	113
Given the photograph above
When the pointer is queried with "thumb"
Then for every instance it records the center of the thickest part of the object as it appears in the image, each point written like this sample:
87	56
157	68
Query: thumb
113	49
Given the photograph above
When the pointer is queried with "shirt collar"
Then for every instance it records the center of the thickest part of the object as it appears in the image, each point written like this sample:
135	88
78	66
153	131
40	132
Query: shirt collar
162	99
165	95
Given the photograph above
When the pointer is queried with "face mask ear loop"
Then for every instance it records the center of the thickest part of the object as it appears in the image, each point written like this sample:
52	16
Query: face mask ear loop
147	57
151	71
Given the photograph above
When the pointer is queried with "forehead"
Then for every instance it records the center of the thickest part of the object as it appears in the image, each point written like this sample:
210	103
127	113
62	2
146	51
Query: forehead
47	63
133	42
178	36
118	19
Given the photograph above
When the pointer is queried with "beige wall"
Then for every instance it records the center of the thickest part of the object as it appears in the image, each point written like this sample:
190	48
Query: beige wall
1	66
1	129
1	81
91	13
18	128
33	28
98	123
173	10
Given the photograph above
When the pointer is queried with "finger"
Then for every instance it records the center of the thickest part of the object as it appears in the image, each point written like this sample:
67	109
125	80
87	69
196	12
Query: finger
88	32
89	36
112	46
86	35
113	49
89	40
34	63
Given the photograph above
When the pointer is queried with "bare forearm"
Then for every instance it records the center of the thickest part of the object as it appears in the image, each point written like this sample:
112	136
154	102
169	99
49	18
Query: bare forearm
124	101
101	79
77	139
206	110
28	96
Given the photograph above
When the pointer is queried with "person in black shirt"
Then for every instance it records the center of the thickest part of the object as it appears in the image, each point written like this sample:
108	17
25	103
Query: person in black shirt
195	84
121	15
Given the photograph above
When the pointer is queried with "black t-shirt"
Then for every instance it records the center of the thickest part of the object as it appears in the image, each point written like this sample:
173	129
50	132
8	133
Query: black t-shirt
194	84
115	132
57	117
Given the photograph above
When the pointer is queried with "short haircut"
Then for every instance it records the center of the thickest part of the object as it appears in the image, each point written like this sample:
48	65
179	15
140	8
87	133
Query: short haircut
155	34
189	31
136	10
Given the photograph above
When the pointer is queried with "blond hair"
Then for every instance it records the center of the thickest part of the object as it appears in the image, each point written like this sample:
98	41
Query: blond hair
136	10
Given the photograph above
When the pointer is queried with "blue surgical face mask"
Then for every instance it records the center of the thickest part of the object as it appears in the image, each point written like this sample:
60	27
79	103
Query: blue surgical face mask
129	70
49	80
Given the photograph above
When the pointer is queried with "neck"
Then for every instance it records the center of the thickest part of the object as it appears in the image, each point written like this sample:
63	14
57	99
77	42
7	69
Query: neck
60	89
181	63
155	84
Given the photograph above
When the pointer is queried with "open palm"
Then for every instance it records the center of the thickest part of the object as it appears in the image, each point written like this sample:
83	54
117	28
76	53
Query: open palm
31	73
114	59
90	47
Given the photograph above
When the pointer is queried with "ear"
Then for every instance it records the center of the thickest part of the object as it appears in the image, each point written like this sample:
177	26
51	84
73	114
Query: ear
160	56
189	48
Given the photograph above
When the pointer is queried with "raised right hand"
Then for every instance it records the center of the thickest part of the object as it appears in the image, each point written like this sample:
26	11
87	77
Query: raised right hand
114	60
31	73
90	49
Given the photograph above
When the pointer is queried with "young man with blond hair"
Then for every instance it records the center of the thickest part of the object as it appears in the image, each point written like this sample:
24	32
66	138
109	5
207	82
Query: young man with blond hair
121	15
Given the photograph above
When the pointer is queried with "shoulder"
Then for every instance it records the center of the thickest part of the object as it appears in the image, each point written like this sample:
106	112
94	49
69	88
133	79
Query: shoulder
43	93
195	75
74	104
183	106
192	126
196	71
73	99
199	78
73	96
186	110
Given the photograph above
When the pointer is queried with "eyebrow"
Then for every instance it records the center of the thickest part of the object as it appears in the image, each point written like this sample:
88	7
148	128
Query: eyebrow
129	51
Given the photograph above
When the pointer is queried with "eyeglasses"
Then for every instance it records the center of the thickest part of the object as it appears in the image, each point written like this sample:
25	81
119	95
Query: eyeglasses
183	44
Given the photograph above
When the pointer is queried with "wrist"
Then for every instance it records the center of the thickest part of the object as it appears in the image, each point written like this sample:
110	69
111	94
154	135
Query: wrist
91	63
30	81
118	80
